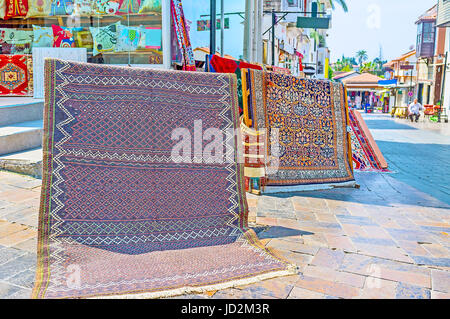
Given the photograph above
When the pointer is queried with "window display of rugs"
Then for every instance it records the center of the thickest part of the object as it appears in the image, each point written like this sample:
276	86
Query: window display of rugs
306	138
15	75
118	211
365	152
215	63
113	31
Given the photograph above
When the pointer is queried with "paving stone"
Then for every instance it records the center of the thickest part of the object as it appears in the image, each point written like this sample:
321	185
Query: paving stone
7	254
273	288
18	237
15	266
440	280
320	272
300	293
354	230
24	279
7	229
386	252
442	262
436	250
301	260
376	288
405	291
328	258
350	279
413	248
356	220
439	295
340	242
373	241
355	263
19	195
8	291
266	221
29	245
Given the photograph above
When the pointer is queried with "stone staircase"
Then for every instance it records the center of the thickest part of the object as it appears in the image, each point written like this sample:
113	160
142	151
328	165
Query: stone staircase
21	135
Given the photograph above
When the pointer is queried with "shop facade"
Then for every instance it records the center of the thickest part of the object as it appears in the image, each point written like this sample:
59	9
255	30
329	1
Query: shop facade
114	32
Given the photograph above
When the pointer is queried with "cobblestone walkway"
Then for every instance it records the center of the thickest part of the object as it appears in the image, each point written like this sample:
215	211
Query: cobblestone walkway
388	239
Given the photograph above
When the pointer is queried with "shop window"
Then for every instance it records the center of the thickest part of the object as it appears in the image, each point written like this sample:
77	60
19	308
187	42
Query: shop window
112	31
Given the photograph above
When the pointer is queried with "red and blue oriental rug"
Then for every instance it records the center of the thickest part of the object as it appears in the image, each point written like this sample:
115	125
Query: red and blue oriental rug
365	152
120	216
305	120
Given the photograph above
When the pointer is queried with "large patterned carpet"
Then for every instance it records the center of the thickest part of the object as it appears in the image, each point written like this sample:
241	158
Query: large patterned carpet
121	215
305	121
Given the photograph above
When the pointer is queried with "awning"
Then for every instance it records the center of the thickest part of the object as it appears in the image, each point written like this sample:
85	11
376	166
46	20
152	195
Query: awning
387	82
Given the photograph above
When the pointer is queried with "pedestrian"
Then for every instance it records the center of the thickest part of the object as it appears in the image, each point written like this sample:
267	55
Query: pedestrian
414	110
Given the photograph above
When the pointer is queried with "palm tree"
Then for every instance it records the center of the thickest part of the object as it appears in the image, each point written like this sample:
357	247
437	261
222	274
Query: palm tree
341	3
361	56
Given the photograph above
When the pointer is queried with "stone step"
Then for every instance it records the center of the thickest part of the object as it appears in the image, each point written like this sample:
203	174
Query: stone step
27	162
17	110
20	136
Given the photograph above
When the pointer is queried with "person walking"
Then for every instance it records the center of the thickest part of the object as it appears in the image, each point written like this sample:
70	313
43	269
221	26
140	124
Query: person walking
414	110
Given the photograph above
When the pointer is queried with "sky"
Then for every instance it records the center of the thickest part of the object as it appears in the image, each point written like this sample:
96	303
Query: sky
233	37
369	24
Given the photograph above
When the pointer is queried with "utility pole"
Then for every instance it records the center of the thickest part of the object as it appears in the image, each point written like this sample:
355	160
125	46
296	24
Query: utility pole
442	86
222	27
274	21
212	31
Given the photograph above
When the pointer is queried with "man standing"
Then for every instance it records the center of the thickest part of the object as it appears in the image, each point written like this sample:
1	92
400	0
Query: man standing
414	110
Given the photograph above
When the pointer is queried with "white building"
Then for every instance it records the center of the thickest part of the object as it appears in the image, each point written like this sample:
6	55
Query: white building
295	46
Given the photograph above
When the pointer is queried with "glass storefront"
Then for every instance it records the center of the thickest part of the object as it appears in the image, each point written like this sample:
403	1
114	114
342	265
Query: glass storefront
112	31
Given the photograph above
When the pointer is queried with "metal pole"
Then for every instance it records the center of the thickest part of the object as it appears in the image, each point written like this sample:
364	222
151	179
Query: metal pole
442	86
222	26
274	21
212	31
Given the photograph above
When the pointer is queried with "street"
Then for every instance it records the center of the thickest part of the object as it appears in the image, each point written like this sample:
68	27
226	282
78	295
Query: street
388	239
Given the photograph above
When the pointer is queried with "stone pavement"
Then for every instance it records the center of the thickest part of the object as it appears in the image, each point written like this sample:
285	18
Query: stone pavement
388	239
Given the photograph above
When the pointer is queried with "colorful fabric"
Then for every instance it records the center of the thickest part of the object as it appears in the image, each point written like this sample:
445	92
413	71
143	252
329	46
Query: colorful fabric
39	8
365	152
16	8
106	6
306	128
254	156
13	75
15	36
61	7
62	37
129	6
184	44
83	39
105	38
84	6
127	38
42	37
150	6
2	8
215	63
281	70
123	211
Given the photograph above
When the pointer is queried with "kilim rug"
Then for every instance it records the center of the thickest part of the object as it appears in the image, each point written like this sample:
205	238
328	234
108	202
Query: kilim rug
119	214
215	63
14	75
306	128
365	152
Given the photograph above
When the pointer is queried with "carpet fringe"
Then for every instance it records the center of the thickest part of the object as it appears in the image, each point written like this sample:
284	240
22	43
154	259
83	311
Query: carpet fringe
291	270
